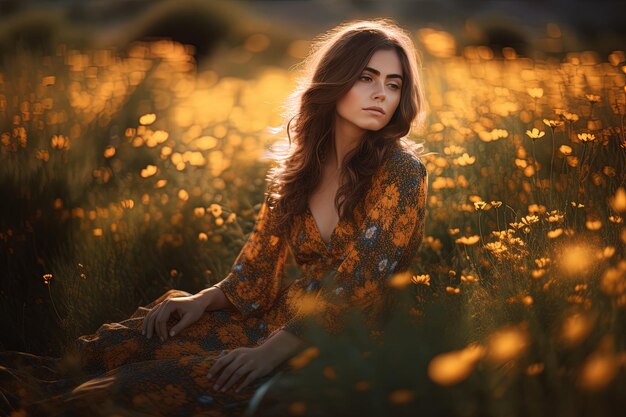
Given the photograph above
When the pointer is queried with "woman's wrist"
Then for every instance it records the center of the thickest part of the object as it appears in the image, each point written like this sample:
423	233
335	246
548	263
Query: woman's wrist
281	346
213	299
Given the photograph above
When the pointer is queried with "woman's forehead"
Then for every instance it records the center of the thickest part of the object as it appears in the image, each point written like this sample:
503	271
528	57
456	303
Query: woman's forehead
385	62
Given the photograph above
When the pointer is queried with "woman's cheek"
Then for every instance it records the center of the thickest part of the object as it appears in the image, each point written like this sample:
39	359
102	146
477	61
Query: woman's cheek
395	108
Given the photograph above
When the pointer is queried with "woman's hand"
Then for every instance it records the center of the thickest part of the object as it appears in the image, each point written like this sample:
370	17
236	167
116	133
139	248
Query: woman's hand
188	309
256	362
242	364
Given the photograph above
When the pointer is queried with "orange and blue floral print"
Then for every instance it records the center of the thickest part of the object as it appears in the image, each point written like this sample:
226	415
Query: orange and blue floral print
352	269
121	370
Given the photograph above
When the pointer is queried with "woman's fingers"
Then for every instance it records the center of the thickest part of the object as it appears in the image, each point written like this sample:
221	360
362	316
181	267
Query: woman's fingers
236	366
185	321
226	364
148	321
251	377
231	374
236	376
219	363
160	323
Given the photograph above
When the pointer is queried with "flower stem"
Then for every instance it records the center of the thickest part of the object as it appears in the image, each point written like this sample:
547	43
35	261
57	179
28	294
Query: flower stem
535	171
551	165
52	300
480	231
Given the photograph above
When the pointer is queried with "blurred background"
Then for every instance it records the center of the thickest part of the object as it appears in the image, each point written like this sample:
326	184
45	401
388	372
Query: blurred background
132	142
534	28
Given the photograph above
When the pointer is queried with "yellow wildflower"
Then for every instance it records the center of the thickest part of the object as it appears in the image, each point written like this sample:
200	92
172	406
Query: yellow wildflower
535	133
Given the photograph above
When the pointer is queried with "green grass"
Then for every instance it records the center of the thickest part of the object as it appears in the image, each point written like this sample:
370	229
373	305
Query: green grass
542	304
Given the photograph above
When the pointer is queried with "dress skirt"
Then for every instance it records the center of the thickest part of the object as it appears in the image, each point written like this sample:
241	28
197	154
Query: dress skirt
118	371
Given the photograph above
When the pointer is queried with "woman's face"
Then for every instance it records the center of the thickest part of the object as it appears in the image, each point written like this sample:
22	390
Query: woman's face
379	85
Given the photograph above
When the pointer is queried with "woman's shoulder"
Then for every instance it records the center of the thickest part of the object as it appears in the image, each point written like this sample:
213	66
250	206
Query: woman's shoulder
405	161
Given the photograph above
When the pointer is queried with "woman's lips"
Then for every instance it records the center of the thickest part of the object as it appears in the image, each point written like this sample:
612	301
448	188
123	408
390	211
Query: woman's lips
374	112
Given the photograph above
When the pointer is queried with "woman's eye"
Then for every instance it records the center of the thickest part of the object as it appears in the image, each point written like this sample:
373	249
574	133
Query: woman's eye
366	78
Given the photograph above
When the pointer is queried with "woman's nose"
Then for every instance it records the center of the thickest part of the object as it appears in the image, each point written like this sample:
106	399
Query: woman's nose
379	92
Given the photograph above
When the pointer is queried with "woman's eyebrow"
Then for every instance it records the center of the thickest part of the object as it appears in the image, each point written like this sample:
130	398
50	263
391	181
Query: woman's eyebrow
375	71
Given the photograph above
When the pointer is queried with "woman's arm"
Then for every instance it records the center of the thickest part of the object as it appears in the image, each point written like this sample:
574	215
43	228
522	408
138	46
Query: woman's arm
280	347
249	364
255	278
213	299
189	308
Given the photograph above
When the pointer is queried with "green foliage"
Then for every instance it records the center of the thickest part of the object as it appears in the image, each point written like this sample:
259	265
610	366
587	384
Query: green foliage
127	174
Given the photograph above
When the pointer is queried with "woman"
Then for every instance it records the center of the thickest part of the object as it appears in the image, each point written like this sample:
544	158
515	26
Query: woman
347	199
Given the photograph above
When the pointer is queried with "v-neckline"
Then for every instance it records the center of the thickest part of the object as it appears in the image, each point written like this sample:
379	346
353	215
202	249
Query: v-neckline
317	228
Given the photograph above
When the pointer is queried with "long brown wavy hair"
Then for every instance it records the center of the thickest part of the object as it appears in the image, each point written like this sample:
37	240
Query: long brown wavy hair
334	63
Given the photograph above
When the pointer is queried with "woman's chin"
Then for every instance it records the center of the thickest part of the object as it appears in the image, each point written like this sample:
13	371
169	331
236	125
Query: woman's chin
375	129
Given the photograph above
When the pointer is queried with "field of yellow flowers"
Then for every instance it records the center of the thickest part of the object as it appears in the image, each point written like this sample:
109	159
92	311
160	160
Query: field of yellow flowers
123	175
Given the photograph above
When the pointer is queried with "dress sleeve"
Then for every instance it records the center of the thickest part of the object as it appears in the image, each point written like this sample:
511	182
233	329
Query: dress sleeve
255	279
388	237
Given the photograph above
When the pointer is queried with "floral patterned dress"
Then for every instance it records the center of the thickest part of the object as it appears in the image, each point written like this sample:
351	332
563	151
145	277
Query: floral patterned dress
125	373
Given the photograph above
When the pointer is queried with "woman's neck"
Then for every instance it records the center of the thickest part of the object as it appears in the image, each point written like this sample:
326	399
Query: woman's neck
347	137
